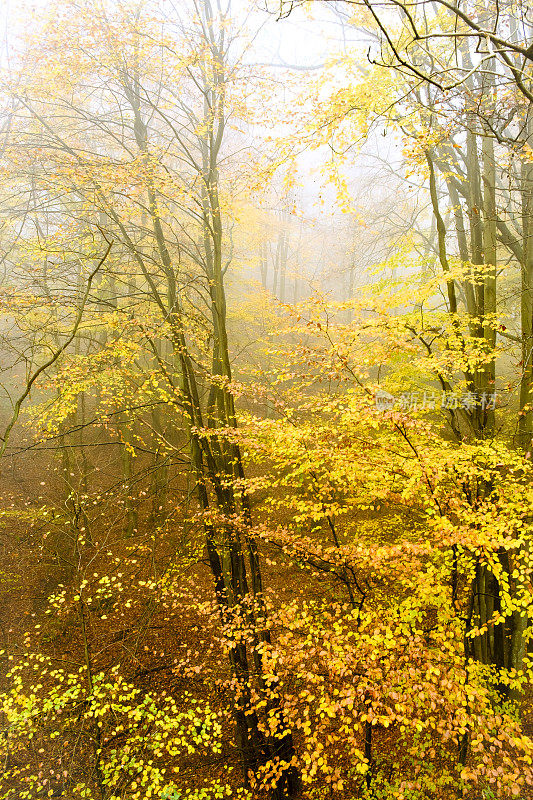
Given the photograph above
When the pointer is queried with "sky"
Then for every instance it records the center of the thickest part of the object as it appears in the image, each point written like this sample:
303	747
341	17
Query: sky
305	39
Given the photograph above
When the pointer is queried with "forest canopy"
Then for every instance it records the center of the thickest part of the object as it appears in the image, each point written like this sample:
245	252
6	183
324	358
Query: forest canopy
266	409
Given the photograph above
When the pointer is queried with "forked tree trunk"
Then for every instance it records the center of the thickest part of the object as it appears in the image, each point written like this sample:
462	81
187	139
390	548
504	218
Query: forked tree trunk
216	460
500	645
525	423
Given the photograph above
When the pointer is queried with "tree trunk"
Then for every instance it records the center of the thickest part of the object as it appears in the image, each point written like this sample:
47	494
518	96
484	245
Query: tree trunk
525	420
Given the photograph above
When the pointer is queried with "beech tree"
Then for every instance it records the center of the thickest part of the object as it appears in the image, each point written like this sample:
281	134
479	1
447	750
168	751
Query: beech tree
169	222
284	537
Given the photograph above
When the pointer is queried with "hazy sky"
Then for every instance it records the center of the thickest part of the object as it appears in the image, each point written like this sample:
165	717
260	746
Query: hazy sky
305	39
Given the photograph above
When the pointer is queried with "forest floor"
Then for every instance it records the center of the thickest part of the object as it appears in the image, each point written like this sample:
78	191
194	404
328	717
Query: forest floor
146	640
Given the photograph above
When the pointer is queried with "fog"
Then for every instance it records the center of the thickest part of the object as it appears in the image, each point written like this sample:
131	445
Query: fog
266	400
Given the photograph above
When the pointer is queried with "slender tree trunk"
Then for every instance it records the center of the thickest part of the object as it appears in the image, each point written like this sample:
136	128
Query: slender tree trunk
525	421
489	295
160	472
263	264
